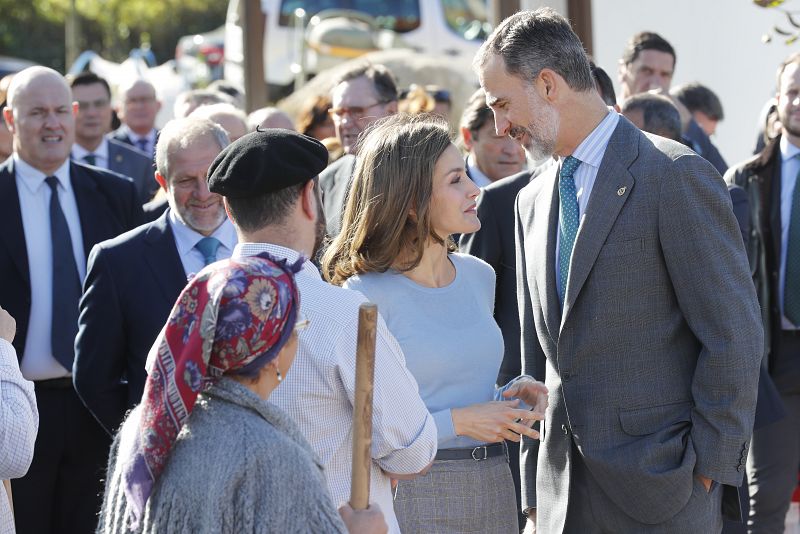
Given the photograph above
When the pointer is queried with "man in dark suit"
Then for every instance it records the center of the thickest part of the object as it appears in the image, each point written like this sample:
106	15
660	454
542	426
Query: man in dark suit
635	298
137	110
134	279
360	96
770	180
490	157
53	211
92	147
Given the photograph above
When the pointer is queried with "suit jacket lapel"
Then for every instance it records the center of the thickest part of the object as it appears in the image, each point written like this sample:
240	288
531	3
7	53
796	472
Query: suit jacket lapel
545	232
90	202
13	233
162	257
611	190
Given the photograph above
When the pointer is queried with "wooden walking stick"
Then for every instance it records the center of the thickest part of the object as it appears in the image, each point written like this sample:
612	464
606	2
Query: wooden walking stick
362	412
7	484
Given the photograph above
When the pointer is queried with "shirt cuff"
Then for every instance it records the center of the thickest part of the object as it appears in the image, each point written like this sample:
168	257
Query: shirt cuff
444	424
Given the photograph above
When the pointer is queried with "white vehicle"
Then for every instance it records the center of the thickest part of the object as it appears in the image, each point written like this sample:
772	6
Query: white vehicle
303	37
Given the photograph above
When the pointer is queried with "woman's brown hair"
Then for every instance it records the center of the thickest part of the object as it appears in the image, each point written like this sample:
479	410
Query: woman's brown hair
387	218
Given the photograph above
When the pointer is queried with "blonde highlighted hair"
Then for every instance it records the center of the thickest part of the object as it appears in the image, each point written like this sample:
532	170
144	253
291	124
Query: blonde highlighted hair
387	219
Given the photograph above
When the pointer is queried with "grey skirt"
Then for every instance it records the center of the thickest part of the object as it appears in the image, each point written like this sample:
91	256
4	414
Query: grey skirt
459	497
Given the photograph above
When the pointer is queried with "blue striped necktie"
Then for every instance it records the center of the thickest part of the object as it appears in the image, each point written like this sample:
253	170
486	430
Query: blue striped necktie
568	221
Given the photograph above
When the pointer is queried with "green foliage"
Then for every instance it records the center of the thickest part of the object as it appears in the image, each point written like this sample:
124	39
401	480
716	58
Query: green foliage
34	29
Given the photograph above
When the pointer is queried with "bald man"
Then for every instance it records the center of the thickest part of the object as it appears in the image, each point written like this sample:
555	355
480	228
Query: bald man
52	211
229	117
137	109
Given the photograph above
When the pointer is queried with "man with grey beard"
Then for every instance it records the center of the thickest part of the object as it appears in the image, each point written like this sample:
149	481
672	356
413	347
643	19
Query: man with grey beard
635	299
133	280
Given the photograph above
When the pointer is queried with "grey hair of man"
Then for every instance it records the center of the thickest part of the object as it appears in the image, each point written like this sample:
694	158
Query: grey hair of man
179	134
530	41
659	114
381	77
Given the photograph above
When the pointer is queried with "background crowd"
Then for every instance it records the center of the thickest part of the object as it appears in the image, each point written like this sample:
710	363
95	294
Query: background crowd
106	218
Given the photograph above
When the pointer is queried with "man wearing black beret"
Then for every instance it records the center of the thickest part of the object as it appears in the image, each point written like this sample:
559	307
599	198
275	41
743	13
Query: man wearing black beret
268	180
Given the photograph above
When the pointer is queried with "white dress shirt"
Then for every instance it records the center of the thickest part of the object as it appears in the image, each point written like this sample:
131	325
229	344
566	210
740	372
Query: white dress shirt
150	138
319	389
790	167
590	152
19	422
475	174
100	154
186	239
38	362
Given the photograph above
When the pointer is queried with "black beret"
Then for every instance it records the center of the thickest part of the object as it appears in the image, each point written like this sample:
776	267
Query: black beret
266	161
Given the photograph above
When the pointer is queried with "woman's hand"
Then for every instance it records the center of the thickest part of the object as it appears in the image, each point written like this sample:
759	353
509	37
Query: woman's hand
530	391
495	421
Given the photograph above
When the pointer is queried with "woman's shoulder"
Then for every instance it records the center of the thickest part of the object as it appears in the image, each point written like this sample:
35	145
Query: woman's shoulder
370	282
471	266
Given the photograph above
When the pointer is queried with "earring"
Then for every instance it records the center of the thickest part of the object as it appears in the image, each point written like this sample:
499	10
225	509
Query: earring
278	374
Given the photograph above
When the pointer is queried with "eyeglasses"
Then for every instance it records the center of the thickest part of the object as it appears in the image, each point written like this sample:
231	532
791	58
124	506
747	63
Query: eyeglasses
358	114
139	100
96	104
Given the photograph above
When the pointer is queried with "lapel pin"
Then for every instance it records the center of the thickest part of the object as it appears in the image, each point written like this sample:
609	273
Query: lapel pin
621	191
119	158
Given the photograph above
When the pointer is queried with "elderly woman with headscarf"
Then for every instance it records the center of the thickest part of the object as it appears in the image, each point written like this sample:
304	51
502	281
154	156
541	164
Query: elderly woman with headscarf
204	452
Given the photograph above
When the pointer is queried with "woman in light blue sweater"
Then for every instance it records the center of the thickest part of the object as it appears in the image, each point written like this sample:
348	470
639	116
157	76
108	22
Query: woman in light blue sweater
410	192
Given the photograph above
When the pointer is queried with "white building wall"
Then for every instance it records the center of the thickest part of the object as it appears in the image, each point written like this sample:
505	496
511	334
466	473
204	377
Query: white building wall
718	43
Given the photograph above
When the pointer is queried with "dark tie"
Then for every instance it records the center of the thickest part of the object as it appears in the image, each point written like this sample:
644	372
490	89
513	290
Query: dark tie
791	288
91	159
208	248
66	283
143	144
568	221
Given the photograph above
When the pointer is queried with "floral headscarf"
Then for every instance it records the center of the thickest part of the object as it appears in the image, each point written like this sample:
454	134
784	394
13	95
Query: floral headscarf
234	315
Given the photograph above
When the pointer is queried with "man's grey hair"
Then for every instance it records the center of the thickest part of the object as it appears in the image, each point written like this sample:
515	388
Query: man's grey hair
530	41
659	114
178	134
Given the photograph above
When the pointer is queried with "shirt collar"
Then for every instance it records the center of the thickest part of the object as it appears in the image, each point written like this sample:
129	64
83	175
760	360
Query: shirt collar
149	136
475	174
290	255
101	152
592	148
186	238
33	178
788	150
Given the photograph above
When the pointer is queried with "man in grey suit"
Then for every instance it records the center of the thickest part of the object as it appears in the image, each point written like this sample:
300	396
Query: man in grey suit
635	299
93	121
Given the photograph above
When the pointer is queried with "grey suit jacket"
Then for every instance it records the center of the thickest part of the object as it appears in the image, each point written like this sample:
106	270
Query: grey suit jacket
132	162
334	182
653	365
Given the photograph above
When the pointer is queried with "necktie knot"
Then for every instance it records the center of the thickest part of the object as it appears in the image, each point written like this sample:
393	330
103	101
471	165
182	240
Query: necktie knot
143	144
569	166
52	181
208	248
91	159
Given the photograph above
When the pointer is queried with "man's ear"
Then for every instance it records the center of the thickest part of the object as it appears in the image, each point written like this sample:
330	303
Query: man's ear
391	107
549	84
161	181
467	137
308	200
8	115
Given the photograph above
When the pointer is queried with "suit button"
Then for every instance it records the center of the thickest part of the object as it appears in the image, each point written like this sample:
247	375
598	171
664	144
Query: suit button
565	430
566	376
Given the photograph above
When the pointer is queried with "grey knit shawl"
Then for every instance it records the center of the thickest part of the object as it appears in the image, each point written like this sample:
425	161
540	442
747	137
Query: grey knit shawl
240	465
